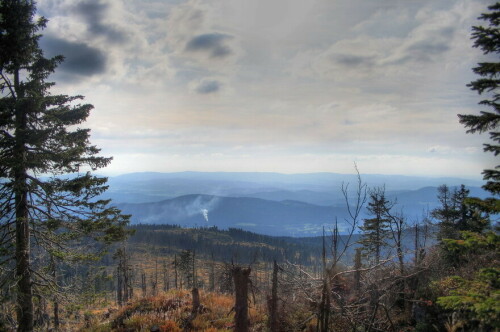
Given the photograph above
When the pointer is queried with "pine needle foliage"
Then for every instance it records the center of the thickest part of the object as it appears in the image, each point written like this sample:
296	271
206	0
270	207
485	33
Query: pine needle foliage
487	38
376	229
49	199
457	214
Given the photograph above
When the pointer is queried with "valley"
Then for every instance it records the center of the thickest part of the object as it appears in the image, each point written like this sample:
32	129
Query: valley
298	205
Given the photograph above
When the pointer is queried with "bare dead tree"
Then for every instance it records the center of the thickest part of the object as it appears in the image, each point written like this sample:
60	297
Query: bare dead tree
123	275
119	288
416	243
154	284
195	284
357	270
340	245
211	277
154	278
143	284
273	301
354	209
241	278
166	283
196	299
397	225
174	263
197	307
326	283
324	307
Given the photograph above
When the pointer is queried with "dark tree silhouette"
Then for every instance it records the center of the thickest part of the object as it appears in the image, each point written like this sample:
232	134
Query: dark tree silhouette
487	38
376	229
40	140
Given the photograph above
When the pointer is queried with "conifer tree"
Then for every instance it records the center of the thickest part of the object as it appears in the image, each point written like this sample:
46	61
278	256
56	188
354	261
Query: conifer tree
473	296
487	38
186	266
376	229
40	141
455	215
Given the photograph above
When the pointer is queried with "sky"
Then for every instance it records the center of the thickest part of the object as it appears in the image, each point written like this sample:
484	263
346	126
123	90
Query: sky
287	86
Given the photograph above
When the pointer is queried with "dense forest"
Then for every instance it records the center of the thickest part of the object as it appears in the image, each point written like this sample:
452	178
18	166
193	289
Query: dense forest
235	245
69	261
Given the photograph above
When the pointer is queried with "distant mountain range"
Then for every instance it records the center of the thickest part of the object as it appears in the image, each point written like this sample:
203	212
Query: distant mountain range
289	218
266	203
315	188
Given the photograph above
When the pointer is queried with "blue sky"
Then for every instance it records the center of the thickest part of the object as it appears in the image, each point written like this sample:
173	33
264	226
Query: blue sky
277	85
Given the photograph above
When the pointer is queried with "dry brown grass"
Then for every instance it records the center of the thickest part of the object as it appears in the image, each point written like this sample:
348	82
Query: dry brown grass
173	310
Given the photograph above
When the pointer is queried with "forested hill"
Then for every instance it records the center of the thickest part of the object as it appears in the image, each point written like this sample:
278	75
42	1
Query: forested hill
286	218
228	245
241	246
271	217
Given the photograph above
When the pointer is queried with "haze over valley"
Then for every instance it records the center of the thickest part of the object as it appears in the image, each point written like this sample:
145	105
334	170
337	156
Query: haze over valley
267	203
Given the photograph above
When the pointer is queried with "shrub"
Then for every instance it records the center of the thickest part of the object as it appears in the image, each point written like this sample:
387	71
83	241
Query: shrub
170	326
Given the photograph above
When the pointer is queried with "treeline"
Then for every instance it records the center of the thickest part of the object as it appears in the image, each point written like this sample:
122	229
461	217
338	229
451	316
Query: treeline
231	245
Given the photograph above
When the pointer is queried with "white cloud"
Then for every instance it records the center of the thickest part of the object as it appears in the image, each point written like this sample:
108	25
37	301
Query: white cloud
197	38
212	82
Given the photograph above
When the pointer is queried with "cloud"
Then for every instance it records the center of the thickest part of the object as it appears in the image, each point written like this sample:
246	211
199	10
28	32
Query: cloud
210	43
199	40
185	20
427	43
80	59
417	37
129	37
195	75
95	14
440	149
208	86
353	60
434	44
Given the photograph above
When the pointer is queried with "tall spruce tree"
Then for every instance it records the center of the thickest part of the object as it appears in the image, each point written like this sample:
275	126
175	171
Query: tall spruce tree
41	207
487	38
473	298
376	229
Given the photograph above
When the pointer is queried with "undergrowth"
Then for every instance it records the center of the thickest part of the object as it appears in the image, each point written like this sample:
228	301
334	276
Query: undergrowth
172	312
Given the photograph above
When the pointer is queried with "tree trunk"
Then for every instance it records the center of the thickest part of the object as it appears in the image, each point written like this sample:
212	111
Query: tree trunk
126	281
241	281
165	277
143	284
194	271
357	268
56	315
55	300
155	283
175	271
273	301
196	299
417	246
378	242
23	272
324	310
119	287
212	274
